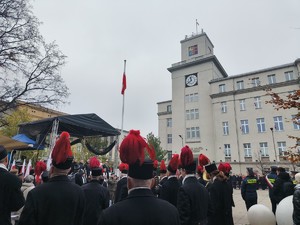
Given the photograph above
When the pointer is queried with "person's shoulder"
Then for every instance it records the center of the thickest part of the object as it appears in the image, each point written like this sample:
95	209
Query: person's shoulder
12	179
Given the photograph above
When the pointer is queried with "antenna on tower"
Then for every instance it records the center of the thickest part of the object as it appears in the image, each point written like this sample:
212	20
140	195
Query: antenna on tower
197	24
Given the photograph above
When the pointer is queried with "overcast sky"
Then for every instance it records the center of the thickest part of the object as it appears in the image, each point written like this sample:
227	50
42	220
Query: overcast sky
97	35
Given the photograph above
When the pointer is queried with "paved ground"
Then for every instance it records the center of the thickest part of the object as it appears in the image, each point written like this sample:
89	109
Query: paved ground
240	211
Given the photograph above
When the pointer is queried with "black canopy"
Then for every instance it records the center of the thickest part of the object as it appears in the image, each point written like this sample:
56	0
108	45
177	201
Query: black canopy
81	125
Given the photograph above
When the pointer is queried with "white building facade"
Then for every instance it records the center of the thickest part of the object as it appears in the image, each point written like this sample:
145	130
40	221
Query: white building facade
226	117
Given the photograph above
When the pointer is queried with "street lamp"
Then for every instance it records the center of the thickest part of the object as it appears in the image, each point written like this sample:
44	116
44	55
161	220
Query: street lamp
272	130
181	139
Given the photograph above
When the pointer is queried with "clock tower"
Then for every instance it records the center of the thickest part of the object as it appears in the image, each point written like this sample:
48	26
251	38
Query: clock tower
196	46
192	114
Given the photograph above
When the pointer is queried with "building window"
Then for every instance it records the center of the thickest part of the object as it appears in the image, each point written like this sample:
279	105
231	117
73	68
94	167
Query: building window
222	88
169	122
192	97
224	107
193	133
244	126
240	85
261	126
192	114
289	75
227	150
169	108
263	147
242	105
169	138
296	122
257	102
271	79
247	149
255	82
278	123
225	128
281	147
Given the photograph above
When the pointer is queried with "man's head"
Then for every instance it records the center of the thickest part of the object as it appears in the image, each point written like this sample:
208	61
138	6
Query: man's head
162	168
187	161
62	156
132	152
96	168
29	179
297	178
173	165
3	155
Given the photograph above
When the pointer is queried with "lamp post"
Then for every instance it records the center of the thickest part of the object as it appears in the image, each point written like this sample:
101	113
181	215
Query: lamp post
181	139
272	130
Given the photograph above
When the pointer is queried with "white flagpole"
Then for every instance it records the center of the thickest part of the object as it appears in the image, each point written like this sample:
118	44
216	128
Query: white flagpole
116	161
123	100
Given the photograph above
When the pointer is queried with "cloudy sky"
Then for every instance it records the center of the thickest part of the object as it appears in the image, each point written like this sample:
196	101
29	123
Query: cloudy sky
97	35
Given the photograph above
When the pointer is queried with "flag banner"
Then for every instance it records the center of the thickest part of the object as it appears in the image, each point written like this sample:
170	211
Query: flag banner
123	84
28	168
23	167
13	166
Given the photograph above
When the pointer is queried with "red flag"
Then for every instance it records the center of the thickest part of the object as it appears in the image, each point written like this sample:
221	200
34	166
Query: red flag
123	84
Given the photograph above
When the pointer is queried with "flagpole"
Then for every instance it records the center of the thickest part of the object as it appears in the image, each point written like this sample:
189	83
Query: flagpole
122	121
123	100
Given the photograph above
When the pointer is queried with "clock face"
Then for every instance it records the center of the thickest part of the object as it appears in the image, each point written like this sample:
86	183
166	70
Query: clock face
191	80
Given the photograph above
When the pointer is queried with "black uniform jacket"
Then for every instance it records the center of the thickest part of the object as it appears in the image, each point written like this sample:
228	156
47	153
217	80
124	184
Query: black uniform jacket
121	190
141	207
221	203
59	202
169	190
11	197
192	202
96	200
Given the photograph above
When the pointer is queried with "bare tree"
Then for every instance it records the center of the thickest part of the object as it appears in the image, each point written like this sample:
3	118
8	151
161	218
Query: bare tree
29	67
291	101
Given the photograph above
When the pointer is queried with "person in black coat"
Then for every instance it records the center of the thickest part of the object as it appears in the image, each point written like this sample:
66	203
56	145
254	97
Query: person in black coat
296	200
283	178
59	201
169	189
221	195
11	197
96	196
141	206
193	199
249	189
122	190
270	179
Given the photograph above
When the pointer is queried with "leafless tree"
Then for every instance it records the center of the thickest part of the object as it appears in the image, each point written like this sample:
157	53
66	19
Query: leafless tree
29	67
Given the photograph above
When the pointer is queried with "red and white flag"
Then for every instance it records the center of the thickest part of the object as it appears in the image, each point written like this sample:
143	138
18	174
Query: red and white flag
123	84
13	165
23	167
28	168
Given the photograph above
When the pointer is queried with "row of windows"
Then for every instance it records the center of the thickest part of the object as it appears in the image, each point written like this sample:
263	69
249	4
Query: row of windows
289	75
261	125
242	103
192	133
263	149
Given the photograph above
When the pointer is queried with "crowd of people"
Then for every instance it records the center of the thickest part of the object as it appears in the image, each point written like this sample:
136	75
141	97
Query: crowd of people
186	191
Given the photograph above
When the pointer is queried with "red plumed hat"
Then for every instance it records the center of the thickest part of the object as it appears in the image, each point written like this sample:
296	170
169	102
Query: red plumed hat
132	152
40	167
203	160
95	166
187	159
123	167
62	155
199	169
174	163
155	164
132	148
222	167
228	167
163	168
94	162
